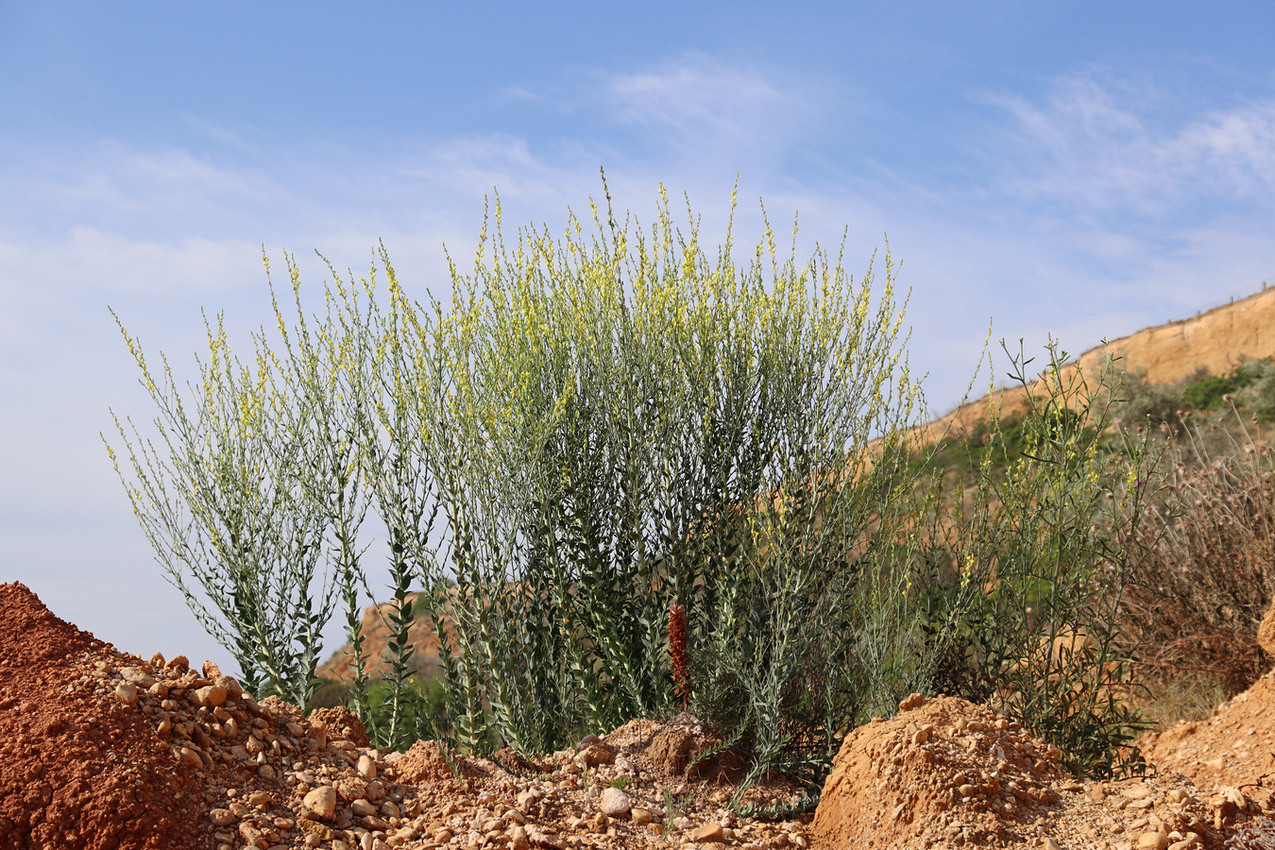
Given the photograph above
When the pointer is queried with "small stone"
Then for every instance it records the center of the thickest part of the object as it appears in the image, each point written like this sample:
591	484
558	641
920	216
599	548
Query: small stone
641	816
221	817
210	696
911	702
711	832
444	836
1153	841
517	838
614	803
251	835
260	799
362	808
546	839
315	829
178	663
190	758
127	692
967	790
1235	796
1050	844
367	767
137	676
596	754
230	685
321	802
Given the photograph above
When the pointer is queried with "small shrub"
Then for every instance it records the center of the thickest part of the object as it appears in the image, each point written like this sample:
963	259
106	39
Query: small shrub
1209	573
1036	565
1141	403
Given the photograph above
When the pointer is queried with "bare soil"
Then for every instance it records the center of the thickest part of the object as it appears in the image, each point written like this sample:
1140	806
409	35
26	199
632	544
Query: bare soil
102	749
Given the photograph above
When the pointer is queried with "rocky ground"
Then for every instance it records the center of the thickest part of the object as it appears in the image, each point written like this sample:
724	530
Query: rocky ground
101	749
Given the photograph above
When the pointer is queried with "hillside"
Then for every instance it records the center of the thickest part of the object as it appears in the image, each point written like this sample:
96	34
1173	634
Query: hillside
1215	341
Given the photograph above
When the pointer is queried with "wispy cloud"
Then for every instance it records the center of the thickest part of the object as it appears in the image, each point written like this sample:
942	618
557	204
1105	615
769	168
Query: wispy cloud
1099	146
718	108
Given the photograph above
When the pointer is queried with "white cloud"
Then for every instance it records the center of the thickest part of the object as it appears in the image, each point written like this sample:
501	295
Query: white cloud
1099	148
726	115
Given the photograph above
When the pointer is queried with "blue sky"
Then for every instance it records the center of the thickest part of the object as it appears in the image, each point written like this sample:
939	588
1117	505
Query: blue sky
1075	169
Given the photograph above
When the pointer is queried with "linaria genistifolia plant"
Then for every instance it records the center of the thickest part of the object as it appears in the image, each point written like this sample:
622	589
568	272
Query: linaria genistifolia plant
1043	556
324	364
221	501
399	455
603	425
629	423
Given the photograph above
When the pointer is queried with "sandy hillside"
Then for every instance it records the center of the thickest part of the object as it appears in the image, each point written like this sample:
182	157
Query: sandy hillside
1216	341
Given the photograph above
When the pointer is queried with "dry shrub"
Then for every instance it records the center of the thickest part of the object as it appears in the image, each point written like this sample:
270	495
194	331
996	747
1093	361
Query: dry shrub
1209	573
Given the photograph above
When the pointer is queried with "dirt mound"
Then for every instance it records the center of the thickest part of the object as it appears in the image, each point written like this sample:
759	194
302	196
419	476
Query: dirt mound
946	773
104	750
78	767
100	749
1235	748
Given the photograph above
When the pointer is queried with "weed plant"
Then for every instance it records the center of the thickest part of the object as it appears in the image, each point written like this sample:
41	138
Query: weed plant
222	502
1039	563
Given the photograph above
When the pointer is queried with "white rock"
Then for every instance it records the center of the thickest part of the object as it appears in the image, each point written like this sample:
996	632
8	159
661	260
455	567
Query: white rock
614	803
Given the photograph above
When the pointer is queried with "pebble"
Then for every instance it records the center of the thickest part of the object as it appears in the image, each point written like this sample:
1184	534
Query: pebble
210	696
190	758
320	802
614	803
1153	841
127	692
367	767
711	832
137	676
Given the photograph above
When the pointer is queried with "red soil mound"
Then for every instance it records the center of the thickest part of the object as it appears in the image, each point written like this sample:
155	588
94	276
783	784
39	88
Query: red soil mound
78	768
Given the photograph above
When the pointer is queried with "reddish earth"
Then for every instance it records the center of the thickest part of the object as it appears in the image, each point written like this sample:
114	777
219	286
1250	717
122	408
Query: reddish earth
100	749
